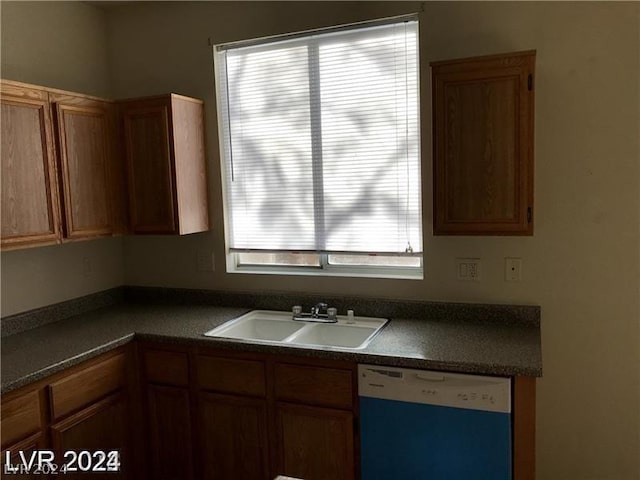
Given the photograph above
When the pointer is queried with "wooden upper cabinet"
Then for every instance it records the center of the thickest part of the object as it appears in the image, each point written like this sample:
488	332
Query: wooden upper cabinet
63	173
483	145
165	152
76	166
85	142
30	213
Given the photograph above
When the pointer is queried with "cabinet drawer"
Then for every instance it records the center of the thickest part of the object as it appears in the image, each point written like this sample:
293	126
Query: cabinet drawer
170	368
20	417
87	385
314	385
244	377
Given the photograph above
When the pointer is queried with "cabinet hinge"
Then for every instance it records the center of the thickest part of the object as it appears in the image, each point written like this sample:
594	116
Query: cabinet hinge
530	82
529	215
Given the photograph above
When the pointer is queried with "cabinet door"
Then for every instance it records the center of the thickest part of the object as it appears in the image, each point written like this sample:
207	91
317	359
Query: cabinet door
21	417
83	140
150	168
169	431
233	433
483	145
27	447
315	443
190	164
99	427
29	205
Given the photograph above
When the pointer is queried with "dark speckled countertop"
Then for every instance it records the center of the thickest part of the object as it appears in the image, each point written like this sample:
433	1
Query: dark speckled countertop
454	343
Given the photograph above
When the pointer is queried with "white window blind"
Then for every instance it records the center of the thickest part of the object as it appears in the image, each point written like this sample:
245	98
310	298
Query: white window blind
320	141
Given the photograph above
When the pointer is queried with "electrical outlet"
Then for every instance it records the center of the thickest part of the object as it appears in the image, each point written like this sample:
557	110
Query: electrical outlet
512	269
205	261
468	269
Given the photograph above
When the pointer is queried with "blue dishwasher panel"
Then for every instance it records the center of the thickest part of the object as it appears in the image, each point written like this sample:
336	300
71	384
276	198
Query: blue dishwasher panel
422	436
402	440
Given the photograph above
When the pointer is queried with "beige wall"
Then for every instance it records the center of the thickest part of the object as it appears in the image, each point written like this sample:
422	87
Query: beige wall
583	263
41	276
57	44
61	45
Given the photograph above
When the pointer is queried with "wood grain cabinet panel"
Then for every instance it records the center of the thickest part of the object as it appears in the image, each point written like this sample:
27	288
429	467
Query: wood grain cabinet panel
84	140
101	426
315	443
231	375
87	385
164	143
150	170
329	387
483	145
30	214
233	434
169	433
20	417
166	367
27	446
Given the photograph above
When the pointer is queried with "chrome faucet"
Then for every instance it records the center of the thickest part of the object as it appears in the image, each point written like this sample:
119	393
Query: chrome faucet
317	309
320	312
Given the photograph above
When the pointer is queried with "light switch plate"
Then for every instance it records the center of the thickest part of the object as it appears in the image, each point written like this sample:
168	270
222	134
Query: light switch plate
468	269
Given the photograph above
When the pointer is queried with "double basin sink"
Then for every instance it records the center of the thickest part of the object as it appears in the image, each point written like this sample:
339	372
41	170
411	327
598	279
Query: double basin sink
266	326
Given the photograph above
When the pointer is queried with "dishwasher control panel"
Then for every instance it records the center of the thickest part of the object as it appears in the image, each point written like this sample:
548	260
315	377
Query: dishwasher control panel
474	392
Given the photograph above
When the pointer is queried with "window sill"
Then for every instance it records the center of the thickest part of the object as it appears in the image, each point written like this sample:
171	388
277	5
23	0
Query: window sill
332	271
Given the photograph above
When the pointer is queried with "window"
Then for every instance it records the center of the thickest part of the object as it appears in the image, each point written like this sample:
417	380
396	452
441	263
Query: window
320	148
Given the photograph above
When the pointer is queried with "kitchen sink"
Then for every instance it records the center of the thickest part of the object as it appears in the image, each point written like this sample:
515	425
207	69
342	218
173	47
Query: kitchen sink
344	336
266	326
257	328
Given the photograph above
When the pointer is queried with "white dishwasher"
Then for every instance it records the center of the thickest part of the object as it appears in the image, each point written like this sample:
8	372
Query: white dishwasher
418	424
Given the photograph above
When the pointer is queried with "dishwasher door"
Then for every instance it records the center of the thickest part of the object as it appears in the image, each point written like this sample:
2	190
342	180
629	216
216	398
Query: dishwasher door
417	424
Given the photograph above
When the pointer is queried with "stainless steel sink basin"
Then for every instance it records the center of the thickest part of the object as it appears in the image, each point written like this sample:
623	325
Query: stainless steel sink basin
267	326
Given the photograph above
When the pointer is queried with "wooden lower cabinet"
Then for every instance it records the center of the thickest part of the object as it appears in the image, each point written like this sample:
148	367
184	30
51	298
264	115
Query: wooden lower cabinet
27	446
213	415
260	416
169	433
85	408
233	436
315	443
101	426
